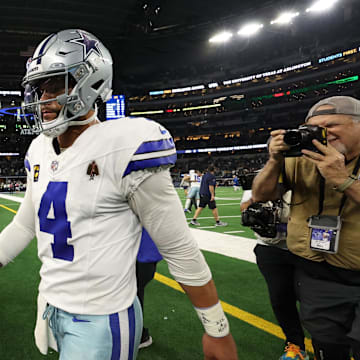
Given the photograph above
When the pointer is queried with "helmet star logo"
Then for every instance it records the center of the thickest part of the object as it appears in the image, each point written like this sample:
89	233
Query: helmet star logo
89	45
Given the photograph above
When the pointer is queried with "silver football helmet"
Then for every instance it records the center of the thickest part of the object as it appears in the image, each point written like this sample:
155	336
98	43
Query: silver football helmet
84	64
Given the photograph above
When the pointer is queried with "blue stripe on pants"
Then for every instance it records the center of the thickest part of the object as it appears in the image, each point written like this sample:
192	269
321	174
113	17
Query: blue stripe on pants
115	332
98	337
131	315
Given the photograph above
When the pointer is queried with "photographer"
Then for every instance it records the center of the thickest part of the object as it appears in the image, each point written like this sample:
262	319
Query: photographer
324	224
276	264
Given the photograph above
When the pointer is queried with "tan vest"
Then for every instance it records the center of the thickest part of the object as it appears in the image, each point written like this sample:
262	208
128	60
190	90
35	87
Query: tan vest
304	180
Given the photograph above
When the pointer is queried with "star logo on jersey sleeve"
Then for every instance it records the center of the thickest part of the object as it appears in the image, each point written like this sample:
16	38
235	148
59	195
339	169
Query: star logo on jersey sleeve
89	44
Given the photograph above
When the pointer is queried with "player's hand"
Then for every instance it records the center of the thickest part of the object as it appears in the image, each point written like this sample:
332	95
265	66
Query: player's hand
219	348
330	163
277	145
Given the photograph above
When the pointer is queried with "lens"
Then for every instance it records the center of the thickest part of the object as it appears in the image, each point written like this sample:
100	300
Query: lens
292	137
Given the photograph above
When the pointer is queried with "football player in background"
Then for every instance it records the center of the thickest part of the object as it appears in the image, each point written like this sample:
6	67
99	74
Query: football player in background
91	187
185	183
236	184
193	196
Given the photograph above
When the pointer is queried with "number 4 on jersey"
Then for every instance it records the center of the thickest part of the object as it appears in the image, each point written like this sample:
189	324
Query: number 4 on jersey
58	226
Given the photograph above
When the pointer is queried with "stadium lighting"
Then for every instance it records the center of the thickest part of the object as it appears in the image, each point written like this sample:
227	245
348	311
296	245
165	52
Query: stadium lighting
221	37
250	29
321	5
284	18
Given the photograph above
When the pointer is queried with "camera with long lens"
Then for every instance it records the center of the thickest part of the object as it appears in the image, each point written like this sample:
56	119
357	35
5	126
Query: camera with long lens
302	137
263	218
246	179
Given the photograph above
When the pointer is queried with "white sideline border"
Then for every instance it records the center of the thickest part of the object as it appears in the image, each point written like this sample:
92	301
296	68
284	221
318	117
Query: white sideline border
229	245
12	198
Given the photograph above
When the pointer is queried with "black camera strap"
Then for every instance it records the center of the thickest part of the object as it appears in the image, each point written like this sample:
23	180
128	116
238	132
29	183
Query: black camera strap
322	190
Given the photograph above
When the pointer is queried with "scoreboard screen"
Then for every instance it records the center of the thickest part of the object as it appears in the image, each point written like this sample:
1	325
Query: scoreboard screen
115	107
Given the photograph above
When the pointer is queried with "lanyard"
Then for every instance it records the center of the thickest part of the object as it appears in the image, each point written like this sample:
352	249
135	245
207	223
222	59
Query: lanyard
322	190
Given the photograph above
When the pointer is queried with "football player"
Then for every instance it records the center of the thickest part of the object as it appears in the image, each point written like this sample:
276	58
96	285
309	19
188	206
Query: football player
185	183
236	184
91	187
193	196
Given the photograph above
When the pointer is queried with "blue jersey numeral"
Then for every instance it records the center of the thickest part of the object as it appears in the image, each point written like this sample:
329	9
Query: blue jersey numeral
59	226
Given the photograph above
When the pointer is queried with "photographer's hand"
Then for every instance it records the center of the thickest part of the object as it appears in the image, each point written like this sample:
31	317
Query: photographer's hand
265	184
331	163
277	145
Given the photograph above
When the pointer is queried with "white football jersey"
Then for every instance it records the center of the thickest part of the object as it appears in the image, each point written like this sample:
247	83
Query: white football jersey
88	237
184	182
195	180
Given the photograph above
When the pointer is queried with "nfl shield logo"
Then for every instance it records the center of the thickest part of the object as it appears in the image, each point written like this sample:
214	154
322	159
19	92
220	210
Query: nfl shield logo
54	165
29	60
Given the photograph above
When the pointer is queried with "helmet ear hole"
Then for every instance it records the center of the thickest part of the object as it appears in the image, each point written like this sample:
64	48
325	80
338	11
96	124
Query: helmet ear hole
72	81
97	85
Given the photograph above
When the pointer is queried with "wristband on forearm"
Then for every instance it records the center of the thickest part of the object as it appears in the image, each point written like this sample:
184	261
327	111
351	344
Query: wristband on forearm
214	320
349	180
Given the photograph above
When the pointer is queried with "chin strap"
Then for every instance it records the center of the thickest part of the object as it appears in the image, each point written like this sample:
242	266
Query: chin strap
86	121
52	129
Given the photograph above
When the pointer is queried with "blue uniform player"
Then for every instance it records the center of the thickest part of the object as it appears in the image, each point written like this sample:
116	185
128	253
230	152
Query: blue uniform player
236	184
